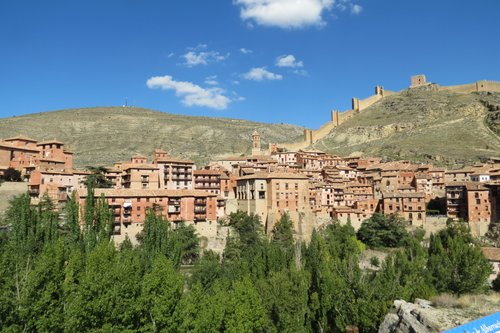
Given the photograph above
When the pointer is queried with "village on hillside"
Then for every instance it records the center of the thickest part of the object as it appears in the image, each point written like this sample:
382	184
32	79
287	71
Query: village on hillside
312	187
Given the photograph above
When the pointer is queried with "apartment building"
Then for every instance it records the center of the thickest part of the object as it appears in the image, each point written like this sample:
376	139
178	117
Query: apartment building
410	206
269	195
130	206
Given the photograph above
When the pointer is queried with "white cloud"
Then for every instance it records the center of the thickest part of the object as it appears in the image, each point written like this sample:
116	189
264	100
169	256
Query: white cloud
245	51
196	57
203	58
198	47
356	9
285	13
171	54
260	74
288	61
302	72
192	94
211	80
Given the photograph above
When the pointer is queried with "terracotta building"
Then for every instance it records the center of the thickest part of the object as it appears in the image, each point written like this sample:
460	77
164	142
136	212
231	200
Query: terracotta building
471	202
269	195
174	173
129	206
410	206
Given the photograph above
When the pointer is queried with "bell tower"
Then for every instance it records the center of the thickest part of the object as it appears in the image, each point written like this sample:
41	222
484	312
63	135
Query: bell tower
256	143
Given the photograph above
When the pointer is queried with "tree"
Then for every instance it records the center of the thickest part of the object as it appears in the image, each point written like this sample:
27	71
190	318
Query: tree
456	261
248	227
496	284
283	231
285	296
12	175
181	245
245	312
97	178
161	291
207	270
72	222
383	231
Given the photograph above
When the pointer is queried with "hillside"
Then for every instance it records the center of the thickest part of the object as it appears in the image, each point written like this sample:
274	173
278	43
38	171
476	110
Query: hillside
103	135
422	124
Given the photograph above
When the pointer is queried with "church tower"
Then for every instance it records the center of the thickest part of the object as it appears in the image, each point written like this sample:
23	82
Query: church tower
256	143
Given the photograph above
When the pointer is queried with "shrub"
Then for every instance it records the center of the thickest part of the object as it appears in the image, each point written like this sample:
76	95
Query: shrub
383	231
12	175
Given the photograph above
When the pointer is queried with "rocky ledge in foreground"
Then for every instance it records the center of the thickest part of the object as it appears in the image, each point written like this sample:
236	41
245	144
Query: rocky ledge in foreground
422	317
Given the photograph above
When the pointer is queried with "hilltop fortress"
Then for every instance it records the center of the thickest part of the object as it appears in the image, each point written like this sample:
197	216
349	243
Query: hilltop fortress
358	105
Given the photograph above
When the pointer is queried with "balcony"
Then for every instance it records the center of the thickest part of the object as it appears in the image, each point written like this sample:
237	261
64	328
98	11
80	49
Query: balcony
201	210
200	217
181	177
200	202
174	209
174	202
206	187
34	191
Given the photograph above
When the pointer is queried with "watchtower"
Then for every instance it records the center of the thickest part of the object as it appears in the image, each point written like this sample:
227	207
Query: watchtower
418	80
256	143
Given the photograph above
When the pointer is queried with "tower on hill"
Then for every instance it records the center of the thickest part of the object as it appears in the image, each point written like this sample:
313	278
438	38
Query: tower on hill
256	143
418	80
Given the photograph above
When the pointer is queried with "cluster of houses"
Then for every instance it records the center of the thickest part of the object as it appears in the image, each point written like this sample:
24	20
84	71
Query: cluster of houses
313	187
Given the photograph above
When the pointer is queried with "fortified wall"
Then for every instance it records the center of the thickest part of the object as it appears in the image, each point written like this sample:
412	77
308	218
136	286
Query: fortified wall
478	86
358	105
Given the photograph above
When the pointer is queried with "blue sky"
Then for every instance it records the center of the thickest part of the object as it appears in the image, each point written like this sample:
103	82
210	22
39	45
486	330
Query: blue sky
289	61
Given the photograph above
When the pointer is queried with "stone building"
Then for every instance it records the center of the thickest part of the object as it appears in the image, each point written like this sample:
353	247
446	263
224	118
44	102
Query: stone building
130	206
471	202
270	195
410	206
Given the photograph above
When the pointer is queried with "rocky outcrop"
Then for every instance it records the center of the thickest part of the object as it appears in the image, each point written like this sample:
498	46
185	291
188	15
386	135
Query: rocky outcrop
418	317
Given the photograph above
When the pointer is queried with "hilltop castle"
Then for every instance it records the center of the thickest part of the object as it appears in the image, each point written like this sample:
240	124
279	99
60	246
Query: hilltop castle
358	105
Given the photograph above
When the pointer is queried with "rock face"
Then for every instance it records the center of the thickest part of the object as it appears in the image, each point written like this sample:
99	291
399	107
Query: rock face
418	317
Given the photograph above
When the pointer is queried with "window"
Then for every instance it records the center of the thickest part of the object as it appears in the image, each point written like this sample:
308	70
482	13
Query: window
286	186
478	201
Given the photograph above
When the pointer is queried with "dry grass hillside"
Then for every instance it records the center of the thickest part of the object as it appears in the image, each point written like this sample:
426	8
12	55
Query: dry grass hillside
102	135
422	124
